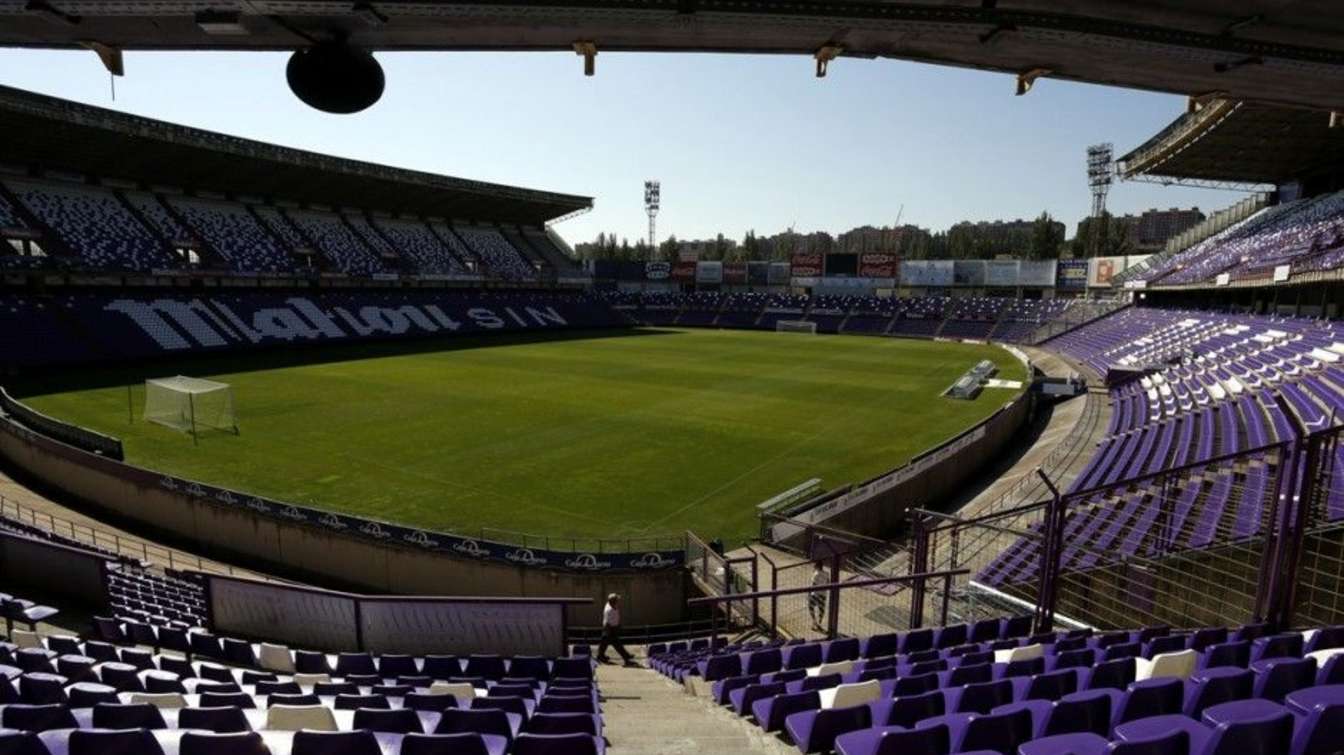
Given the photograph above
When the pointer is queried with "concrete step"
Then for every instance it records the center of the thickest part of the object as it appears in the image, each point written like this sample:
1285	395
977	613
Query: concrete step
645	713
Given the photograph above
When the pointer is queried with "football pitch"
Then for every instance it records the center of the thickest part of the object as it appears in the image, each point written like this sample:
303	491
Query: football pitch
626	434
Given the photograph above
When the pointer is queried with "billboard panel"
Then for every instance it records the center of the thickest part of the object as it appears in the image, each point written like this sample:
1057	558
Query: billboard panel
1001	272
926	273
709	272
657	271
780	273
805	265
758	273
968	272
1071	274
1102	269
735	272
1036	273
684	271
877	265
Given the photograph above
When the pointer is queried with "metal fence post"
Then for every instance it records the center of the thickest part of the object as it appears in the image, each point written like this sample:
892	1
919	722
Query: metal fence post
1051	556
919	563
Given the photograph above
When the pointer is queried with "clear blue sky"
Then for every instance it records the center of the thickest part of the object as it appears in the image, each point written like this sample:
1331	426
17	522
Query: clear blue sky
739	142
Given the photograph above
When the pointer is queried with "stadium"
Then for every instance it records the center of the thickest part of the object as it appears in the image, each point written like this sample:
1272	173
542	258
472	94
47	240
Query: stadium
306	454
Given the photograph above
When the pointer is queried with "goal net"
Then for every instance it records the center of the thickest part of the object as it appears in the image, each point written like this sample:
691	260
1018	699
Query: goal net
189	404
795	326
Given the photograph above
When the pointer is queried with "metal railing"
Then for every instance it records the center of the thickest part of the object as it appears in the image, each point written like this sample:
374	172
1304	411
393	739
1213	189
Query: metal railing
112	543
823	601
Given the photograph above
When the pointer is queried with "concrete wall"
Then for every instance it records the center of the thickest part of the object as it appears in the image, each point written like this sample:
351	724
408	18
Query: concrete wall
321	556
878	508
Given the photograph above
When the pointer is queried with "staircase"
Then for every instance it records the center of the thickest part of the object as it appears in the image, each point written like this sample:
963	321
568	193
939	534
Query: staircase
648	714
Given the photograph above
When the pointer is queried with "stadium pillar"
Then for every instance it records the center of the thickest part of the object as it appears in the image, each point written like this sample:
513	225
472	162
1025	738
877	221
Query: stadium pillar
833	620
1051	550
1320	446
919	564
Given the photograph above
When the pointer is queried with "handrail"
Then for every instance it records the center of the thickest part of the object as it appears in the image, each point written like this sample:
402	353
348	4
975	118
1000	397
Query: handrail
715	599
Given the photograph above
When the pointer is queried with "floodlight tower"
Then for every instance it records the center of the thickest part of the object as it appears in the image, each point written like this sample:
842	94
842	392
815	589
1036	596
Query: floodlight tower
652	201
1100	173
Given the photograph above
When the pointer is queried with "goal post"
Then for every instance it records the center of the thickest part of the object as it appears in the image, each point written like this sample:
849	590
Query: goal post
795	326
188	404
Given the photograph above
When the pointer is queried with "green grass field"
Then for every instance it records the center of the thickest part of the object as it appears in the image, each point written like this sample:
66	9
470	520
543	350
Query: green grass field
645	433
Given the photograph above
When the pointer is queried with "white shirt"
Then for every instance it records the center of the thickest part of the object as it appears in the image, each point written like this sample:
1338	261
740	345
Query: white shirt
611	616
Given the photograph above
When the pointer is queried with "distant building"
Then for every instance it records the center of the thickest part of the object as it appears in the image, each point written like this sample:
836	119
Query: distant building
1150	230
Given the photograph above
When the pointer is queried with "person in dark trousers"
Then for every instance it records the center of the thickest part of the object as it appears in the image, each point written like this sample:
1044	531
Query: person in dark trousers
816	601
611	632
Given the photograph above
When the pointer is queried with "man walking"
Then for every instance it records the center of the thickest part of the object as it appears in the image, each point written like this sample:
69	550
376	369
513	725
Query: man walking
611	632
816	601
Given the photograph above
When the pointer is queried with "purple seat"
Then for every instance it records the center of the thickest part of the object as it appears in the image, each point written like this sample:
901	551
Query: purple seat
915	685
393	666
1320	713
772	712
311	662
128	716
565	723
236	651
572	668
42	689
515	705
1149	697
1203	638
278	688
802	656
950	636
1014	627
1122	650
1165	644
908	710
88	694
744	697
1172	743
35	660
879	645
985	630
962	675
442	667
566	704
1287	645
1087	711
1117	674
717	667
1236	653
1051	686
895	740
557	744
1215	686
21	743
844	649
916	640
999	732
222	743
424	701
285	698
221	720
399	721
335	688
355	663
1325	638
37	717
113	742
335	743
452	744
1275	678
816	730
529	667
488	666
1245	727
763	662
76	668
979	698
355	702
489	721
223	699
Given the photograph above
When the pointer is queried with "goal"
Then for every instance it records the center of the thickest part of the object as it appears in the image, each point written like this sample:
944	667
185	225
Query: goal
188	404
795	326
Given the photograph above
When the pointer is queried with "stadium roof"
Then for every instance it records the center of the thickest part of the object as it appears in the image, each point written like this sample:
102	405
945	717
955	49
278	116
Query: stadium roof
57	134
1239	142
1265	50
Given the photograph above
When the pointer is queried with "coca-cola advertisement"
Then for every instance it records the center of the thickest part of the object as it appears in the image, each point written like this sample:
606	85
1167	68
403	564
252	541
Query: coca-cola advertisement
807	265
684	271
877	265
735	273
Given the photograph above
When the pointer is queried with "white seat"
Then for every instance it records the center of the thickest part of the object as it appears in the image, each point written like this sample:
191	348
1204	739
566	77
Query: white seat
463	691
1321	656
311	679
275	658
1179	664
163	700
849	695
296	717
1023	653
25	639
835	667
